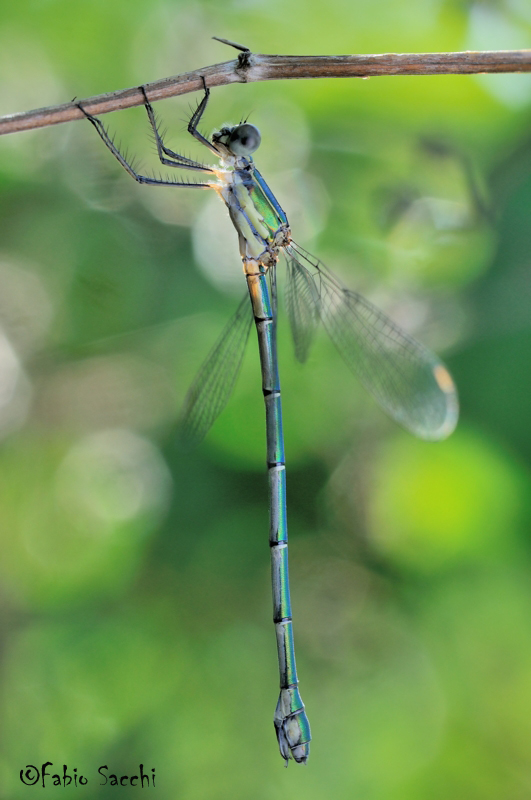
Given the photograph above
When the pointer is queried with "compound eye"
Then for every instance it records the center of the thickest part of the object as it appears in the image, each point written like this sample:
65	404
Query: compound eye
244	140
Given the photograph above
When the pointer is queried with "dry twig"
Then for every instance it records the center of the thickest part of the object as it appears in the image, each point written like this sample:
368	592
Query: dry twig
250	67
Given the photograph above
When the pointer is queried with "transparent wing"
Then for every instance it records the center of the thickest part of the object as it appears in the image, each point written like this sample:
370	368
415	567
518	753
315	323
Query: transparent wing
408	381
303	307
215	381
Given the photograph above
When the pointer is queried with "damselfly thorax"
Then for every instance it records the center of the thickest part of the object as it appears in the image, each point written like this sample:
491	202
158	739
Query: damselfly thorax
260	222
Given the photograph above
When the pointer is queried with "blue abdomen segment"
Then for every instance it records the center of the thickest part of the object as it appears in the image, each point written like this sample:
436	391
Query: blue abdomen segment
291	723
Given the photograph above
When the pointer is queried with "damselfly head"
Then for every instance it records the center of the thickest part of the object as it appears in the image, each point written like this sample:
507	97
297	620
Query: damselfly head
241	140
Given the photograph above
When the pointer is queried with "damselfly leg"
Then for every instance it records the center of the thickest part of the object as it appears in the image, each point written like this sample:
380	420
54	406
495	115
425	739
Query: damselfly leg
175	160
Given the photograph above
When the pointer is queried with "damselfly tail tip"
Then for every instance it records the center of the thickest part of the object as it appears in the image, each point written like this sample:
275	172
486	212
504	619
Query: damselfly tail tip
292	726
301	753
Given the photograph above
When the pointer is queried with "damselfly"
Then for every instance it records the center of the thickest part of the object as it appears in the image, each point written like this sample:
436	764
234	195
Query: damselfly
406	379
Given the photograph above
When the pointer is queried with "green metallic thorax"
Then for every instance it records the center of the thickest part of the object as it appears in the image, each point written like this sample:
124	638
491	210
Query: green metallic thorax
261	223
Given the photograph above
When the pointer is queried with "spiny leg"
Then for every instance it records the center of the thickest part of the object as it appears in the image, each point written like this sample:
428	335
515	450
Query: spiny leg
196	117
109	143
178	159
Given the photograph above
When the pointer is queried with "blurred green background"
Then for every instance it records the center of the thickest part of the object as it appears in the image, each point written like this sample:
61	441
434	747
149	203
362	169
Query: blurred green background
136	624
